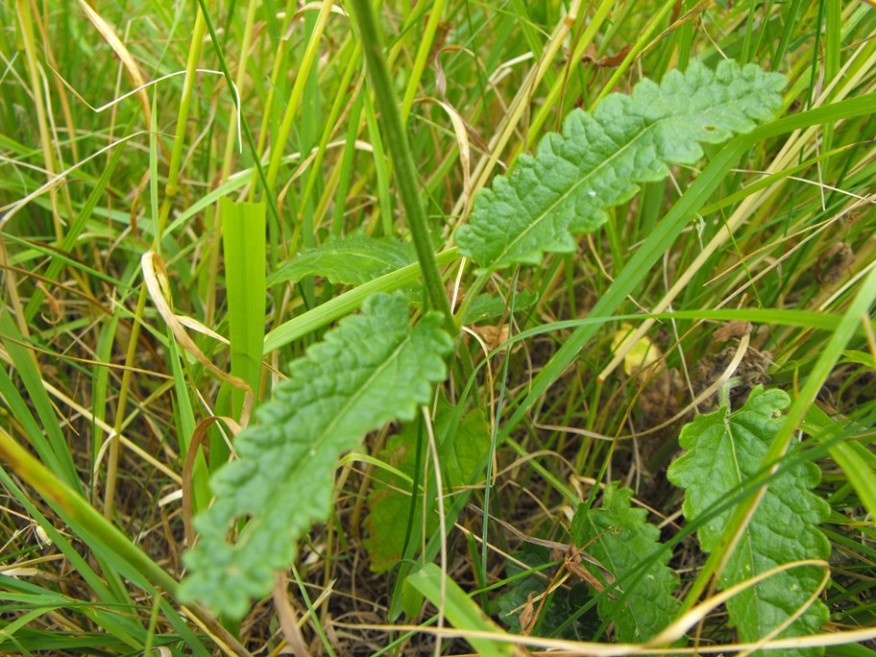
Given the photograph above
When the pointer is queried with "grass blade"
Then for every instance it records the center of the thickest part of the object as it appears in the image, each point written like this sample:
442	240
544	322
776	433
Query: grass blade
243	227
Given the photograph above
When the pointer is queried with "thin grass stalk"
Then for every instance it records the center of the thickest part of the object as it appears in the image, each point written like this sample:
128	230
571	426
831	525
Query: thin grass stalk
546	110
423	52
406	172
240	81
81	512
93	527
279	144
654	23
333	120
227	162
172	186
247	133
112	466
25	22
276	71
485	166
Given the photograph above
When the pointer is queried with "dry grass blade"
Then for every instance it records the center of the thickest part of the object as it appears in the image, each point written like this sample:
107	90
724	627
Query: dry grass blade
128	60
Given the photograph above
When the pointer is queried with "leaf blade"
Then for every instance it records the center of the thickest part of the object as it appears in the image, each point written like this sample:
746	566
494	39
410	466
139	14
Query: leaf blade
461	611
371	369
243	227
618	536
353	260
598	159
724	451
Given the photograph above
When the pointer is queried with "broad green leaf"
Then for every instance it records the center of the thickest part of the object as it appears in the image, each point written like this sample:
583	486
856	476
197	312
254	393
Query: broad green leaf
617	535
599	159
353	261
724	451
462	447
374	367
488	307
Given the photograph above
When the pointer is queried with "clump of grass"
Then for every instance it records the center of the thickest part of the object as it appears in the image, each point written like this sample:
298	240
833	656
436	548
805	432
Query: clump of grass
121	394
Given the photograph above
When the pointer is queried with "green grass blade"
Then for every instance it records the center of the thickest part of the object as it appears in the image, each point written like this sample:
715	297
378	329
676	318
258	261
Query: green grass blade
75	229
52	446
342	305
854	458
243	228
460	610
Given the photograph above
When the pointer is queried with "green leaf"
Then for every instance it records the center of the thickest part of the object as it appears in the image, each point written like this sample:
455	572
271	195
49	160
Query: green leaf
461	611
243	227
353	261
617	536
374	367
462	446
726	450
599	158
489	307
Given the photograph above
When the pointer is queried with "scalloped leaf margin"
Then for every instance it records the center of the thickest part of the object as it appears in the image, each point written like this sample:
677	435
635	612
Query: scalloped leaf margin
373	368
724	450
599	159
619	537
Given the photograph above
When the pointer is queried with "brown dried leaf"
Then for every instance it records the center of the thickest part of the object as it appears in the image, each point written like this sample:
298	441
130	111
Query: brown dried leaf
493	336
735	329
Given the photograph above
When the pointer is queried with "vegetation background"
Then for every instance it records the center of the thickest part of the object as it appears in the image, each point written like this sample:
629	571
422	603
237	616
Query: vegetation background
119	137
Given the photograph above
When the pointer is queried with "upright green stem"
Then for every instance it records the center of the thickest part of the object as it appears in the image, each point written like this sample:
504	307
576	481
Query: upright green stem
400	152
176	153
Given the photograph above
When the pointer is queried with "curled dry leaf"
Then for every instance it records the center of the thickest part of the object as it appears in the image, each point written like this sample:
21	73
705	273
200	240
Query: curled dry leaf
492	336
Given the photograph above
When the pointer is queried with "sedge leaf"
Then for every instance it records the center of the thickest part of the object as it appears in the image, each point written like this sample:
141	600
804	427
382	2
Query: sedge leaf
352	261
599	158
374	367
617	535
724	451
